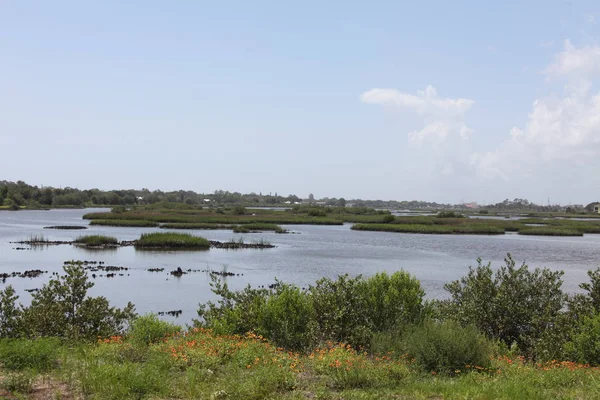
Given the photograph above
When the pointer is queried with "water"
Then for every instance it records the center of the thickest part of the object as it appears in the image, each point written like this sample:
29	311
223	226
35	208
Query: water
315	252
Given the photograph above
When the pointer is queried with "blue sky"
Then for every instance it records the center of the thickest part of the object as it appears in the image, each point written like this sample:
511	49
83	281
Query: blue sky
441	101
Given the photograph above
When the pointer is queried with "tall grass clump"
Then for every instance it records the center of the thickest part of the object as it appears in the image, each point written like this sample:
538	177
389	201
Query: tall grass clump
447	347
148	329
96	240
38	354
171	240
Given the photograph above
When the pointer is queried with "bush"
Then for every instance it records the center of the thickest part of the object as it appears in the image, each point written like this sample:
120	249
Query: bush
10	313
61	308
448	347
393	300
513	305
388	218
584	347
288	318
148	329
171	240
38	354
449	214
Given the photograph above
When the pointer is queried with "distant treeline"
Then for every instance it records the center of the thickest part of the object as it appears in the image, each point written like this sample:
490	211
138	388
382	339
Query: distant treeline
19	194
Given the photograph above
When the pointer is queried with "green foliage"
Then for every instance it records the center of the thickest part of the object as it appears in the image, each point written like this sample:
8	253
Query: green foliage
447	347
288	318
343	310
550	231
473	229
449	214
513	305
171	240
61	308
388	218
584	347
37	354
148	329
10	314
593	288
96	240
239	210
393	300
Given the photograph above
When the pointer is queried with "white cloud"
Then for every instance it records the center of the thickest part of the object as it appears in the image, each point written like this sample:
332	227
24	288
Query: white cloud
426	102
442	117
575	62
560	130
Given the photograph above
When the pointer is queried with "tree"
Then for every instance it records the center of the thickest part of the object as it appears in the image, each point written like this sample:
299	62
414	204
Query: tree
341	202
61	308
10	314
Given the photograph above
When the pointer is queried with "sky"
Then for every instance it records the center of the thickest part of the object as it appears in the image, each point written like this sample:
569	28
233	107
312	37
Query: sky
431	100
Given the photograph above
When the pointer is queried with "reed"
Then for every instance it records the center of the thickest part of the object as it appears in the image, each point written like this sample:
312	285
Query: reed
117	222
96	240
171	240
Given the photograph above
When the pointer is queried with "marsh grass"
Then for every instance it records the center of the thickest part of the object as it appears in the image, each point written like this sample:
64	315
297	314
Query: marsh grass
258	227
96	240
550	231
187	225
124	222
432	229
171	240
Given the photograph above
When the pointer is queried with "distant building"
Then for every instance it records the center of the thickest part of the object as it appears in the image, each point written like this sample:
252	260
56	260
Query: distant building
471	205
207	200
597	208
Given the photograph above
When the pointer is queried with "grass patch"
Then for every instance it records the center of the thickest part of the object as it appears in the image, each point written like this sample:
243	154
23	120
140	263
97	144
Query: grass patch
124	222
187	225
258	227
550	231
171	240
66	227
96	240
432	229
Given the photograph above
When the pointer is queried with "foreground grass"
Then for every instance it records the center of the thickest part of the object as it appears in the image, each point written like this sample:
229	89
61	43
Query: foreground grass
96	240
171	240
201	365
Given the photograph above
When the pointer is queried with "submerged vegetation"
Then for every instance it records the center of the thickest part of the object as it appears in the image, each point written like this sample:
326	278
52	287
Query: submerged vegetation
171	240
503	333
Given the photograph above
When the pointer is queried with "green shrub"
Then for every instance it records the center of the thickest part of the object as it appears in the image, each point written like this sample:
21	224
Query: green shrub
449	214
288	318
35	354
584	347
513	305
10	314
61	308
393	300
148	329
388	218
448	347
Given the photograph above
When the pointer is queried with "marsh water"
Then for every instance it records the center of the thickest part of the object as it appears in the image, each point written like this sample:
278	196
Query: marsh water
308	254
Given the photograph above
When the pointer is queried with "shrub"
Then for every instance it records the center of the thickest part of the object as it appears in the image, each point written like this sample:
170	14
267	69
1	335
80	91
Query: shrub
61	308
38	354
10	313
447	347
514	305
449	214
148	329
584	347
288	318
388	218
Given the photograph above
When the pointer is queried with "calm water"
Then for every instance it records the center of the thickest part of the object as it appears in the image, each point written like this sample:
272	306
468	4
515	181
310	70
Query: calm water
315	252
